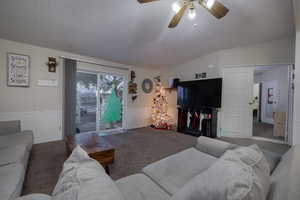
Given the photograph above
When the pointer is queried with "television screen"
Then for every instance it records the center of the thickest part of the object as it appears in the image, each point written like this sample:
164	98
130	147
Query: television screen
202	93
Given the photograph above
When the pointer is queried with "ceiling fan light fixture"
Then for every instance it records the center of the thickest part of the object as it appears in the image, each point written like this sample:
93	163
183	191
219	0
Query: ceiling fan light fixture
210	3
180	7
192	14
176	6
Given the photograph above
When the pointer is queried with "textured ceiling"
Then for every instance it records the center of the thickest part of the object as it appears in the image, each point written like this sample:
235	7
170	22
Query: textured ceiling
130	33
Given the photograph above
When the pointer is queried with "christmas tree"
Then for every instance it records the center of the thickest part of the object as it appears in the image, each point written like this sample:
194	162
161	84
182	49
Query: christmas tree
160	117
112	111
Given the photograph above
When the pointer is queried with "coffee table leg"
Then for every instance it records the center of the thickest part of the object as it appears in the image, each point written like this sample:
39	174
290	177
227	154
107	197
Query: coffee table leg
107	170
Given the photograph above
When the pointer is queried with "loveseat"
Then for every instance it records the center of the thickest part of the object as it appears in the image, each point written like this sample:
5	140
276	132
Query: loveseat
164	179
15	148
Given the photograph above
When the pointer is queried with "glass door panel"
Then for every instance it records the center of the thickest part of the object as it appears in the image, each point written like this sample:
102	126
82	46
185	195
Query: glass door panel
111	92
86	102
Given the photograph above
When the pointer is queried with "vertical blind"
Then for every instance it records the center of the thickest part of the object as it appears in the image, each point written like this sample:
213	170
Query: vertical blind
69	69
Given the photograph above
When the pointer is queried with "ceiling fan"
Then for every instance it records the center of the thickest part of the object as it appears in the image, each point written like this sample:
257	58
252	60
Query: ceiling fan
214	7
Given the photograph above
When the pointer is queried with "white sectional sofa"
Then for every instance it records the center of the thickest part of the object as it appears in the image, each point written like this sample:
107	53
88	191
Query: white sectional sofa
15	148
163	179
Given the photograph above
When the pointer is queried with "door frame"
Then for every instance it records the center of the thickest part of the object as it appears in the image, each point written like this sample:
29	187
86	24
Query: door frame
290	115
98	71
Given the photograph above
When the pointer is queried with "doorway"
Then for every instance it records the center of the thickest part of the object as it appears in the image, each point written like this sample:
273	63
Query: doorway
271	102
257	102
99	102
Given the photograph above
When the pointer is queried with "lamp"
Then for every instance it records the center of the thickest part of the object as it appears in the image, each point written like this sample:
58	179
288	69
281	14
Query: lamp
192	13
210	3
176	6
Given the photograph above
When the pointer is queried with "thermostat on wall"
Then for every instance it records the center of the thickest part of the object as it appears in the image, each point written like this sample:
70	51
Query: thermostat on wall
48	83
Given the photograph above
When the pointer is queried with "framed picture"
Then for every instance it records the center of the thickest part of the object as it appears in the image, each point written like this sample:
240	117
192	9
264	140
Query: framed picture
18	67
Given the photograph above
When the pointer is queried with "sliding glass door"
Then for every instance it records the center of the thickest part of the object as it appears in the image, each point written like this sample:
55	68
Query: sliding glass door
86	106
110	90
100	101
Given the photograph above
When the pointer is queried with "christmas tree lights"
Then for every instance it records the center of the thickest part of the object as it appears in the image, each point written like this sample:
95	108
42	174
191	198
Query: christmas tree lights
160	117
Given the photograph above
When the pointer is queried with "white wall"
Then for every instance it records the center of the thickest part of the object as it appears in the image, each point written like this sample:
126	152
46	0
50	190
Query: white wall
39	108
296	130
270	53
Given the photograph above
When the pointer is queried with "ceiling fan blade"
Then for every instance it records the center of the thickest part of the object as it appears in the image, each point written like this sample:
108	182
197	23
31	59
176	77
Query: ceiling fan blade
146	1
176	19
217	9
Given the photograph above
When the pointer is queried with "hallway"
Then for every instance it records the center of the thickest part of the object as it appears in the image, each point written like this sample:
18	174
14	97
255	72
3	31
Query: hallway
264	130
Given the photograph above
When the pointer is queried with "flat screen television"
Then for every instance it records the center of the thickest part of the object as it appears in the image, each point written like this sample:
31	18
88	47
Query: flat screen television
201	93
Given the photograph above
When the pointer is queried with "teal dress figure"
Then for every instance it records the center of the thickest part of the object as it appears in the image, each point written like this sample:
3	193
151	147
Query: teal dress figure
113	108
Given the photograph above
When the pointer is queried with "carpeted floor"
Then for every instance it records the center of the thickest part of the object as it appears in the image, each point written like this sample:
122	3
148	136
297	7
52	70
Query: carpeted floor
264	130
134	150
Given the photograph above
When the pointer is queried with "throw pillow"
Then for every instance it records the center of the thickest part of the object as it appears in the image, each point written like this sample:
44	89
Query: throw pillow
255	158
83	178
227	179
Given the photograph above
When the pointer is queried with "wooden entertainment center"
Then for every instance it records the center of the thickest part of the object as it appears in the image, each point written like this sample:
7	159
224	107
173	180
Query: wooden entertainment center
198	103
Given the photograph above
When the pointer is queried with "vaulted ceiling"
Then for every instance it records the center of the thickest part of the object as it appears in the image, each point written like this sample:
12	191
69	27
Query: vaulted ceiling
130	33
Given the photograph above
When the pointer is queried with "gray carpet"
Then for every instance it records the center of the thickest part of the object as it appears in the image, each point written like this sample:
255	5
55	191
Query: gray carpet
134	150
264	130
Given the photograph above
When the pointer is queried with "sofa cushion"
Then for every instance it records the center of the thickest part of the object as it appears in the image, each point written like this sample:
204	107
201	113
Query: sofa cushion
176	170
229	178
285	181
213	147
24	137
141	187
8	127
15	154
83	178
11	181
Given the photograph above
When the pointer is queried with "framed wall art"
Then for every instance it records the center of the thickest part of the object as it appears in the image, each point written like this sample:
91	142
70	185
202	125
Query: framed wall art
18	70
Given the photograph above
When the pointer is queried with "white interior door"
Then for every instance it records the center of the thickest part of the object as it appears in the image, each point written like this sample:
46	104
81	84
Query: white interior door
237	102
269	101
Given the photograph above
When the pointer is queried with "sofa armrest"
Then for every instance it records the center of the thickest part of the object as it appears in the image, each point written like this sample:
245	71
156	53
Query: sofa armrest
8	127
213	147
35	197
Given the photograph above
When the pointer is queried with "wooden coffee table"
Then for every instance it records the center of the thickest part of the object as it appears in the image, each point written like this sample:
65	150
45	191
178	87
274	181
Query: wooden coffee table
96	146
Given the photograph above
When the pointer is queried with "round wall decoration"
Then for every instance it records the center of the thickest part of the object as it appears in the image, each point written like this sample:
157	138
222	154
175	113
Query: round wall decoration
147	85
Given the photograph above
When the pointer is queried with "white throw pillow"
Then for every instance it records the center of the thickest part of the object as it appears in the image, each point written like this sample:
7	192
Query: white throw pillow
83	178
227	179
255	158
